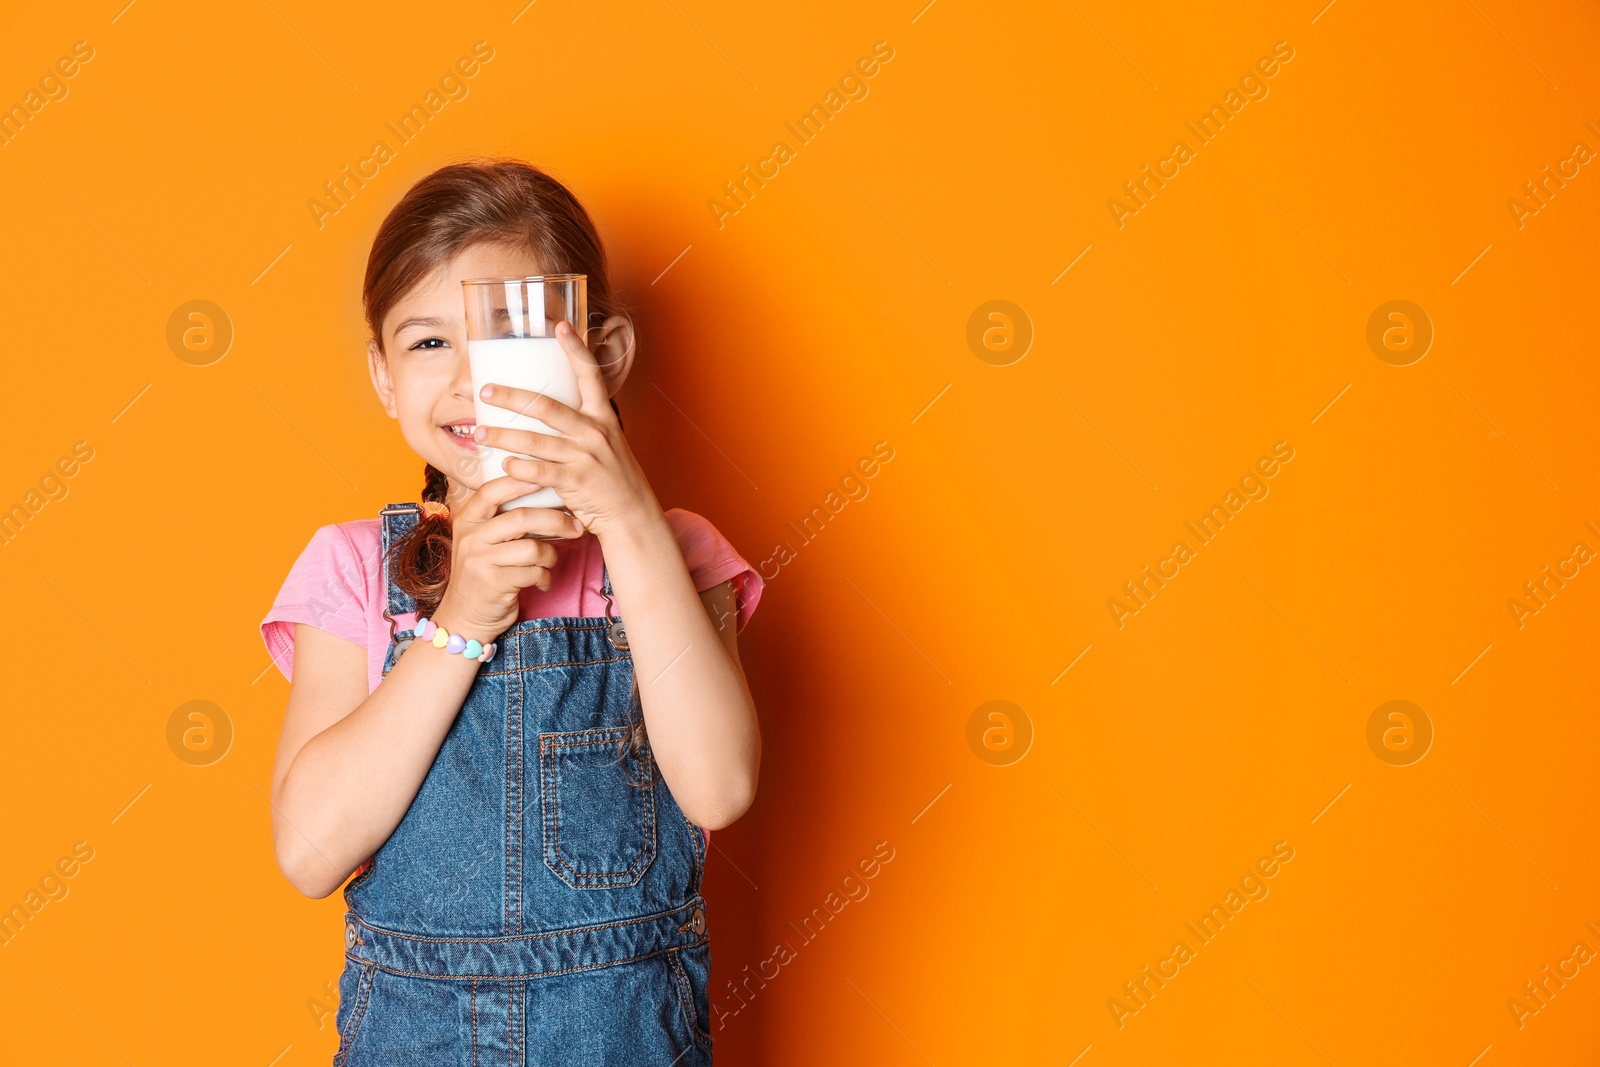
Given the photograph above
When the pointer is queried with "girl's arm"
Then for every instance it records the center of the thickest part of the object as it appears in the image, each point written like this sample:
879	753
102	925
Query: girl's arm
348	764
697	708
697	705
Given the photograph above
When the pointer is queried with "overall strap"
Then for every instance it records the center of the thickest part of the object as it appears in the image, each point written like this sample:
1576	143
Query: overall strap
398	520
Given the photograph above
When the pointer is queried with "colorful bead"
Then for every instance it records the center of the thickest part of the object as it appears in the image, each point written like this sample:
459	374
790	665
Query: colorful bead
456	645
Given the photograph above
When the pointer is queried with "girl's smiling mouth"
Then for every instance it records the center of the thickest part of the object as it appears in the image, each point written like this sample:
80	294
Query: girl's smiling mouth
461	433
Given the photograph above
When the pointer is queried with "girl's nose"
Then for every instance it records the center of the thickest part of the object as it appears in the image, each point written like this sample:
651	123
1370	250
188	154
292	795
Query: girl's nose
461	385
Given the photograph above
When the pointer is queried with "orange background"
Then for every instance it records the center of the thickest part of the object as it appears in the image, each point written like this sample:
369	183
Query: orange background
1228	314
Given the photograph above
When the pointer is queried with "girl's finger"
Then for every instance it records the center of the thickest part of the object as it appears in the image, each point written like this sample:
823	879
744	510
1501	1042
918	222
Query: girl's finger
486	500
541	471
527	552
594	399
523	577
525	442
542	406
517	523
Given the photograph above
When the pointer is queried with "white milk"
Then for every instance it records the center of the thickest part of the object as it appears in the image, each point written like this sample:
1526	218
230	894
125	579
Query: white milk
539	364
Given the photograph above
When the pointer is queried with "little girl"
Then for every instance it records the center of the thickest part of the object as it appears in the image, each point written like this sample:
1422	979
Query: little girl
525	797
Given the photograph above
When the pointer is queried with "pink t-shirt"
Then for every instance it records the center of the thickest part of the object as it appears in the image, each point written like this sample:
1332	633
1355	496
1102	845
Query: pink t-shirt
337	585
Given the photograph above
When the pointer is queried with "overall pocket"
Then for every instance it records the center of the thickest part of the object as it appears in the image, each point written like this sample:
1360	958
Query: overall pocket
599	810
355	989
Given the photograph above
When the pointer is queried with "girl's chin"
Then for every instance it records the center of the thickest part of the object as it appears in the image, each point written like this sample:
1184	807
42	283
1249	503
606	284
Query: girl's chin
461	445
462	471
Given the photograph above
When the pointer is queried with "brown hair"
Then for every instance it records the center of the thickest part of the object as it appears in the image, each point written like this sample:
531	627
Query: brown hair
498	201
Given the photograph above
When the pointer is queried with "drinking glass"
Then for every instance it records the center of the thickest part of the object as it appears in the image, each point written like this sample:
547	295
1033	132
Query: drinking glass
511	341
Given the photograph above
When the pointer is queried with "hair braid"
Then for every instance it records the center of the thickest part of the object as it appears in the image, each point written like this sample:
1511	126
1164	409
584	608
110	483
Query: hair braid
636	742
436	485
422	557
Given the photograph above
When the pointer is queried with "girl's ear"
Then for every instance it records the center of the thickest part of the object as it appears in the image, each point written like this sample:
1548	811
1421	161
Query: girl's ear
378	367
613	344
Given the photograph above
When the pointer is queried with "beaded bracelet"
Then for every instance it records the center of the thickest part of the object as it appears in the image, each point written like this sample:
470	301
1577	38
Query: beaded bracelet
436	635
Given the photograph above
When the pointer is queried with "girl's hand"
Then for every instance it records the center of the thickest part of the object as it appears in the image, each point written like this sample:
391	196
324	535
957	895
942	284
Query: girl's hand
590	464
492	559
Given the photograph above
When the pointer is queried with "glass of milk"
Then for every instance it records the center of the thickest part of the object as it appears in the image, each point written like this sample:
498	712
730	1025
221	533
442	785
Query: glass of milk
511	340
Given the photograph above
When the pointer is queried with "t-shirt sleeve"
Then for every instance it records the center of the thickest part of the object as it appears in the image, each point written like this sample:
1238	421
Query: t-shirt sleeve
712	561
326	588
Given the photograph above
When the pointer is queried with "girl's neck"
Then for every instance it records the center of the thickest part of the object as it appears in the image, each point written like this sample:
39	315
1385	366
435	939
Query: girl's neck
456	495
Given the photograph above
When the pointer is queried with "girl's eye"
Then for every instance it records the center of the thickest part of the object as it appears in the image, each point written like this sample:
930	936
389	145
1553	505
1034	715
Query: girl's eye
429	343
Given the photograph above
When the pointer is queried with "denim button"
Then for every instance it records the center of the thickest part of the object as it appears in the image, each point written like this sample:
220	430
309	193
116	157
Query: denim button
349	935
698	922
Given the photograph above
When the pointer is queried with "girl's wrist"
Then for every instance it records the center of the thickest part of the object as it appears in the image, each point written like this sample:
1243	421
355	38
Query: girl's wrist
471	643
644	519
465	623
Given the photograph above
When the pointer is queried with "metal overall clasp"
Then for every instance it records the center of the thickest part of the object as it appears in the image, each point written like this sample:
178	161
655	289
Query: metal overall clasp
618	633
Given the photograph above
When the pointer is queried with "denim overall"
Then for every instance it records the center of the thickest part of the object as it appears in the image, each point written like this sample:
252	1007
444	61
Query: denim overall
540	901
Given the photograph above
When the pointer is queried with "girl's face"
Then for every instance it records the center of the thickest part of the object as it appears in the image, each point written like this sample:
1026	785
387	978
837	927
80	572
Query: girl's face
421	372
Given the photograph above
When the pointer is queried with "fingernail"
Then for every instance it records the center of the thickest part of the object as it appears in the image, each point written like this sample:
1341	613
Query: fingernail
479	433
486	392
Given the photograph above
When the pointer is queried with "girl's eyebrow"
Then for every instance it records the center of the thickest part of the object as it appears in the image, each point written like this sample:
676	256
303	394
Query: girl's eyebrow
427	320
